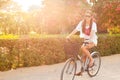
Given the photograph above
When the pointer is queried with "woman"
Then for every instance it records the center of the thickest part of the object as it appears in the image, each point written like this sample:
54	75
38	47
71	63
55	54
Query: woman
88	29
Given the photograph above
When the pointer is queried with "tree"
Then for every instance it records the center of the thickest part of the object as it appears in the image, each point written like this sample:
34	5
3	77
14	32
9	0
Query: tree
107	14
58	16
4	2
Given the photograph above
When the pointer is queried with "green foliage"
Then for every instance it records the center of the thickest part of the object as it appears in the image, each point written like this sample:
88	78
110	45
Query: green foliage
107	14
108	45
5	61
27	52
114	30
9	36
57	16
3	2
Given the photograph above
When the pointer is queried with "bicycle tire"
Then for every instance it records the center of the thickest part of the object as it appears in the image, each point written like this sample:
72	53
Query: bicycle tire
97	64
70	63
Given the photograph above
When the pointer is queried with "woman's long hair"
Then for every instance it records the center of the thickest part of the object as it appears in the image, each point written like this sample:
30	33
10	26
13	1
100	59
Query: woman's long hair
84	25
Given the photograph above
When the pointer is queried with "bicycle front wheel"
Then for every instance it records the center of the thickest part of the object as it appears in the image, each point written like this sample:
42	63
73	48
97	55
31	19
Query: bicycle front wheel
69	70
97	63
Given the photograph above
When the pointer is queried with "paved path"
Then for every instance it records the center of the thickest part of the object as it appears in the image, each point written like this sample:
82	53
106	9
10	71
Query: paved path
110	70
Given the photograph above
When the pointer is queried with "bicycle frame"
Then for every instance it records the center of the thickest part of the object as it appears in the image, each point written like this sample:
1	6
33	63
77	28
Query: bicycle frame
77	60
83	64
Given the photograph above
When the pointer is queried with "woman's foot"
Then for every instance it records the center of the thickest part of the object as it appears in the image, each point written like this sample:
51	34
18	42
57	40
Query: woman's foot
80	73
91	64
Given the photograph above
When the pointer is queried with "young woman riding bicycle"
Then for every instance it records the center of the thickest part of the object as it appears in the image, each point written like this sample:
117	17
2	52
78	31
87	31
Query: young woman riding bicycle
88	29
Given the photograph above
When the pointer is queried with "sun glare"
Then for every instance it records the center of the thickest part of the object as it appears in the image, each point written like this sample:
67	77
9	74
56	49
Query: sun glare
26	4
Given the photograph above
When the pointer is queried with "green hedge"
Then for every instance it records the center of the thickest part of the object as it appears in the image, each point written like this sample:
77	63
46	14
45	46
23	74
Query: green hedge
16	53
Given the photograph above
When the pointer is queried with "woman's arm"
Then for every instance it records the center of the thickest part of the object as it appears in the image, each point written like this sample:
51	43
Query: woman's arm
78	28
72	33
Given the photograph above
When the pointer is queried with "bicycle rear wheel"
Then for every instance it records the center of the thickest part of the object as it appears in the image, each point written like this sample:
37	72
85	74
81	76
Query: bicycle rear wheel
69	70
97	63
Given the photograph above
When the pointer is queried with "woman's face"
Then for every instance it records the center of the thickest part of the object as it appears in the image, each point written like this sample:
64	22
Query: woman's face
88	16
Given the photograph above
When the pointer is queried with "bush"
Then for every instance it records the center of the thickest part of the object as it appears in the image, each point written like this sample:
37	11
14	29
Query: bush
108	45
114	30
16	53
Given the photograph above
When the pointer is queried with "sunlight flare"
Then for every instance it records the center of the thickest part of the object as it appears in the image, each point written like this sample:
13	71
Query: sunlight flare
26	4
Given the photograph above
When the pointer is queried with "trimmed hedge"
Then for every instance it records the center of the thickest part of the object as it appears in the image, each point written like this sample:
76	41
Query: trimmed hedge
41	51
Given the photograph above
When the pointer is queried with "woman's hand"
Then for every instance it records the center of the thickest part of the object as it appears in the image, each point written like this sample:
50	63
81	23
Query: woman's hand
72	33
68	38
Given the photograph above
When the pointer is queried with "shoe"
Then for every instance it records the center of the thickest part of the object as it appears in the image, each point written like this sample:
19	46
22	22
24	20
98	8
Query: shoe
86	69
79	73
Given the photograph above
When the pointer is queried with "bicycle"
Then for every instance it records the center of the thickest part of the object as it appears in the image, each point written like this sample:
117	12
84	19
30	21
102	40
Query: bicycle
74	64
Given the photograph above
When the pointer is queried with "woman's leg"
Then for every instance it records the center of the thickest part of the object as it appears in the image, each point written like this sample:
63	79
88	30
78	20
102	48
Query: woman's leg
85	51
84	58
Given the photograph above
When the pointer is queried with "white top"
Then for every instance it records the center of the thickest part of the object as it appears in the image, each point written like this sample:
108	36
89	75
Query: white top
82	35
